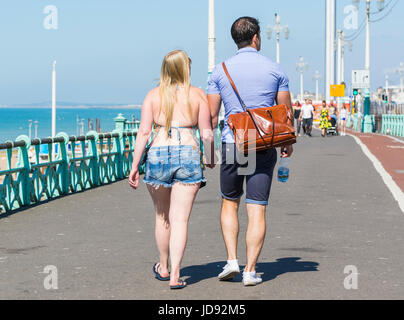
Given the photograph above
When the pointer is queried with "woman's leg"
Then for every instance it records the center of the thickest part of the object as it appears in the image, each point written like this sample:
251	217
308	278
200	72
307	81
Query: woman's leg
161	200
182	200
299	126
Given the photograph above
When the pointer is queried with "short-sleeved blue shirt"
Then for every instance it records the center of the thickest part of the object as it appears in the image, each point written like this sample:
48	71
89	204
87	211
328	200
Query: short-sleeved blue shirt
258	80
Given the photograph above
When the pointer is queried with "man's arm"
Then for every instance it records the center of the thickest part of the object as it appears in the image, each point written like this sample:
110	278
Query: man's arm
215	101
283	97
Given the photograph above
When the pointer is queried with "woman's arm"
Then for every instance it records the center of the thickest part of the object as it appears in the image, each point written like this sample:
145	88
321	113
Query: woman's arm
143	135
205	129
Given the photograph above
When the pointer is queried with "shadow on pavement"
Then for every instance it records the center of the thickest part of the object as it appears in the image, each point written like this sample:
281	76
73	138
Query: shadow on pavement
269	270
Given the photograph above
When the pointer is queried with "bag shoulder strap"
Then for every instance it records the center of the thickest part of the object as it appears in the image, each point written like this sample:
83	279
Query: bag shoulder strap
245	107
234	87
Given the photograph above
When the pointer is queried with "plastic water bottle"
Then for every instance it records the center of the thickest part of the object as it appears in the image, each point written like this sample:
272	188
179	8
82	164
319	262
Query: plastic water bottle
283	170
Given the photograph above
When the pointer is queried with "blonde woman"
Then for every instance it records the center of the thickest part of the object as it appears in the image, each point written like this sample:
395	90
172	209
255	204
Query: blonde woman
174	173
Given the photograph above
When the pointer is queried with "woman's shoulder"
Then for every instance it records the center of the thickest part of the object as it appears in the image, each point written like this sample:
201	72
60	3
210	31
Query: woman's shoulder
153	95
197	91
154	92
197	94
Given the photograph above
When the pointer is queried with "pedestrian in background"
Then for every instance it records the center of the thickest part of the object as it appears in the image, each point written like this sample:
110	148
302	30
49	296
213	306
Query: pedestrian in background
307	116
297	110
343	118
324	119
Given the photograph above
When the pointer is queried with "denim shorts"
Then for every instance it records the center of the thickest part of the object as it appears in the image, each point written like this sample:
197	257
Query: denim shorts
168	165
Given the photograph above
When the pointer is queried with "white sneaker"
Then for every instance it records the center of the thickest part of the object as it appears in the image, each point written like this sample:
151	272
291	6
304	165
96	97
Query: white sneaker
251	279
230	270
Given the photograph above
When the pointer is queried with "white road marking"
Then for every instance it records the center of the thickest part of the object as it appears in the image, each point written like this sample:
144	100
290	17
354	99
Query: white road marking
395	139
395	147
387	179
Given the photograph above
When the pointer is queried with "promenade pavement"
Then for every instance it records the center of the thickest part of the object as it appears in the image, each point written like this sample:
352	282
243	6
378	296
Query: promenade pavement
334	212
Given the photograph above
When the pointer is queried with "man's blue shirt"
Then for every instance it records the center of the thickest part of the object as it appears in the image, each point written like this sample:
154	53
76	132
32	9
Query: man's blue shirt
258	80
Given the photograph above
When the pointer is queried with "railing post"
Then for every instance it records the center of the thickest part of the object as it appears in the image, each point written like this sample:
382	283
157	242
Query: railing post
93	152
63	156
120	122
23	162
118	148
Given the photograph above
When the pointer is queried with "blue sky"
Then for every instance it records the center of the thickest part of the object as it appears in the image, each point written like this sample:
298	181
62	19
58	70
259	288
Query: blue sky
111	51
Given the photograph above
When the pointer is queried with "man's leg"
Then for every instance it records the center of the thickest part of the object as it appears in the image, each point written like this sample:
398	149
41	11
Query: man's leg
230	226
310	126
258	191
231	188
255	235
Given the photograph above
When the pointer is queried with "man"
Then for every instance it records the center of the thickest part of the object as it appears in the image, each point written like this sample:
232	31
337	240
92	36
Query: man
307	116
261	83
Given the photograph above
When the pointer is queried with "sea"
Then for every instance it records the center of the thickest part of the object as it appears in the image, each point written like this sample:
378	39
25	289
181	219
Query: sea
15	121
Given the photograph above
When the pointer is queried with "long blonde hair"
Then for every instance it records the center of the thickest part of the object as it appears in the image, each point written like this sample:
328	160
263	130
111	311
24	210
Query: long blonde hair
175	71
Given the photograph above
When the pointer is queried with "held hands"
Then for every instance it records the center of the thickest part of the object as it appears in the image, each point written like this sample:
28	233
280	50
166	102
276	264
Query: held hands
209	163
134	178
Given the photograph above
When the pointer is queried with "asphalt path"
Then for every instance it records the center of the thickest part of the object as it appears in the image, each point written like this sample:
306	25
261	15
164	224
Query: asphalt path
334	212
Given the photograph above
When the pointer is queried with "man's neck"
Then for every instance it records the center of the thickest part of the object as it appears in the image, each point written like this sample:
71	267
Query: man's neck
250	46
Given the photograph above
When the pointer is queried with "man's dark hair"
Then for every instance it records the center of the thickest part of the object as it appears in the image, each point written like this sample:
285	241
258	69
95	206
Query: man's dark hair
243	31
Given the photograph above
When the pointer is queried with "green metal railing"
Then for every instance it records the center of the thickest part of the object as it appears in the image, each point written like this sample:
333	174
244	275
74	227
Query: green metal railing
79	163
393	124
49	168
355	122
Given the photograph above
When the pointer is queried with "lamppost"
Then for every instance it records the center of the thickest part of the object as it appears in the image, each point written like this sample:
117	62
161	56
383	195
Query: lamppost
53	107
77	125
36	128
331	19
54	99
380	4
341	44
400	71
317	77
30	129
301	66
82	127
278	28
211	37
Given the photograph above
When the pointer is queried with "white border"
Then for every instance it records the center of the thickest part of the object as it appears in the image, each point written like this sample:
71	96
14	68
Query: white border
387	179
395	139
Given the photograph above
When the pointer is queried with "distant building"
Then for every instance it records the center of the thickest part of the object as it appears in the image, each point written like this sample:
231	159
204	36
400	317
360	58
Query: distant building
308	95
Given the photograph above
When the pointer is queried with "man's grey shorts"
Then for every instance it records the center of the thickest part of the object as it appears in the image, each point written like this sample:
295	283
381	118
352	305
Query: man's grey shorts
308	122
258	184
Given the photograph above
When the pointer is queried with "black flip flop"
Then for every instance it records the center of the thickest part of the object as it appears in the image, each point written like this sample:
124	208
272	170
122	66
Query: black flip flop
182	285
157	274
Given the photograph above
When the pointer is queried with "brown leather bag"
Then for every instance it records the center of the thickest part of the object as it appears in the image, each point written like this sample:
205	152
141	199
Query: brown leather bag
261	128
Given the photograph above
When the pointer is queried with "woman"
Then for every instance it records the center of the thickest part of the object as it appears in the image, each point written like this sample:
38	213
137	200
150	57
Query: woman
298	110
173	166
343	118
324	120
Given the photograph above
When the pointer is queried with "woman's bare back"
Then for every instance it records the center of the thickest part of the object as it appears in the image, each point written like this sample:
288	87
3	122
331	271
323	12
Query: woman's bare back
184	119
